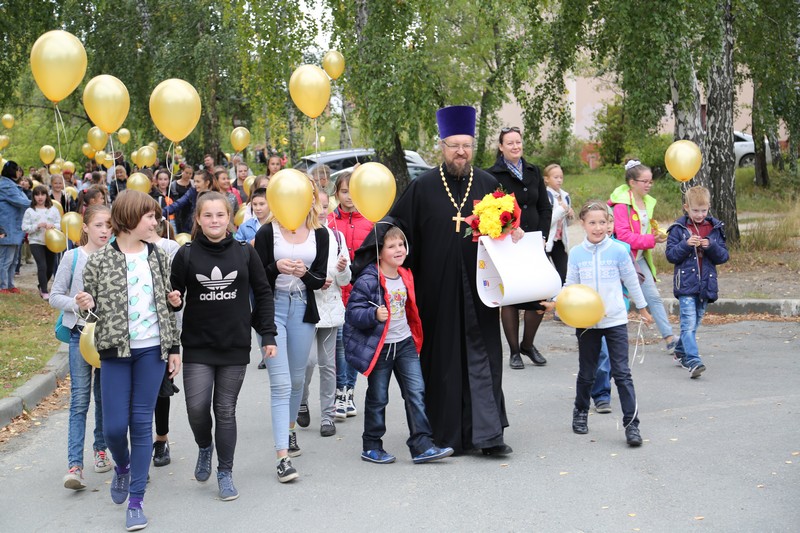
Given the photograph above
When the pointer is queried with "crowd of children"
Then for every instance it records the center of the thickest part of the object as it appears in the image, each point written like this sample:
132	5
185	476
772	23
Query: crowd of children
294	288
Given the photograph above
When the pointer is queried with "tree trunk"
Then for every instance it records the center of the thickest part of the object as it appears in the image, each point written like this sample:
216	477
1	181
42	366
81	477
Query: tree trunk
344	139
291	123
395	160
775	150
688	119
762	173
721	177
483	121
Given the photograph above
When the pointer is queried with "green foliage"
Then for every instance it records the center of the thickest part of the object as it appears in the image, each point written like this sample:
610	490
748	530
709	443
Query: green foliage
611	131
562	148
650	150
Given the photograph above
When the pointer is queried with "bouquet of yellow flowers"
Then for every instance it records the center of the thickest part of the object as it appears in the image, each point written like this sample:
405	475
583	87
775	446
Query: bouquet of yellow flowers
496	215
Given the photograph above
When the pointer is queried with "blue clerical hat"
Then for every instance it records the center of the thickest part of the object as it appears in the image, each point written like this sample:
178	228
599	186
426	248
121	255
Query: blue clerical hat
456	120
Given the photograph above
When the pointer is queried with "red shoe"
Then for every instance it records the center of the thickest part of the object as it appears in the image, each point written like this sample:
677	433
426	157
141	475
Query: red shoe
14	290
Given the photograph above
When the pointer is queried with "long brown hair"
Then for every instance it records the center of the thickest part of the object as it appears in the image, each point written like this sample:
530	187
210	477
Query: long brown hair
41	189
202	200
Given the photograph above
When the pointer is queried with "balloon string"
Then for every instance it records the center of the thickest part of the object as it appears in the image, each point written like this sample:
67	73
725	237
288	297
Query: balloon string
63	127
113	160
377	259
316	139
170	168
58	131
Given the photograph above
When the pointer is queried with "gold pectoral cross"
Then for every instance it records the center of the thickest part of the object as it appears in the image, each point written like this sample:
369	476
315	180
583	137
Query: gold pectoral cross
458	219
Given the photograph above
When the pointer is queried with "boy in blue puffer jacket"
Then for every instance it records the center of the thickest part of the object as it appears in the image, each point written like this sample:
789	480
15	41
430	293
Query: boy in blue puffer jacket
383	333
695	245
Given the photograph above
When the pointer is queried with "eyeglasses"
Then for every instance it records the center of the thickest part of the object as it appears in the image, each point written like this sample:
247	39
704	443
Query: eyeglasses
457	147
506	130
644	182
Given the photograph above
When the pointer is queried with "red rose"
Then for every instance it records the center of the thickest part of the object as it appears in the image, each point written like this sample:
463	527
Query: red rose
475	223
505	218
498	194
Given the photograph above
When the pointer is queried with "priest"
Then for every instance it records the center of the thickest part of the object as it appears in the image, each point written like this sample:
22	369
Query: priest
461	354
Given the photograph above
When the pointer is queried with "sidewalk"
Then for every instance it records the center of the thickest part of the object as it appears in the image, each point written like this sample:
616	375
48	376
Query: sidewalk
721	453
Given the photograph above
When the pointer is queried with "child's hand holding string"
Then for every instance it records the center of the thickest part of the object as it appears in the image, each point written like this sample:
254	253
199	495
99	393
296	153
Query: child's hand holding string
646	317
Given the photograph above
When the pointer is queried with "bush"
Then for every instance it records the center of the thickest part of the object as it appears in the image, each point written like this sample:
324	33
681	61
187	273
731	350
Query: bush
562	148
650	151
611	131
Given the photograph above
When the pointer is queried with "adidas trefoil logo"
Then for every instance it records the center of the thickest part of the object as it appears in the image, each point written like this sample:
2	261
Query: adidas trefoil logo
217	284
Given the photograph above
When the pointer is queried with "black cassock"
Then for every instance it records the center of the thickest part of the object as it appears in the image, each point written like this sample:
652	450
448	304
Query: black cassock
461	354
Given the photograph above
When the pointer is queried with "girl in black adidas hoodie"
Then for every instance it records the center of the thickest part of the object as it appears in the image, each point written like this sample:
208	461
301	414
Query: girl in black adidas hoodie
217	273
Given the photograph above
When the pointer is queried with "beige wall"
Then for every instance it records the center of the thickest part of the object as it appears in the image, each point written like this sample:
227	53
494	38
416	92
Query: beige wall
587	95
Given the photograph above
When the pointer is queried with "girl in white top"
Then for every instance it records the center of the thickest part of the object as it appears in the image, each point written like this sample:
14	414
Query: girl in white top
557	246
38	218
331	317
68	283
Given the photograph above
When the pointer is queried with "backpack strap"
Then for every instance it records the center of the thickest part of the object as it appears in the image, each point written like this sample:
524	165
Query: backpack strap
75	252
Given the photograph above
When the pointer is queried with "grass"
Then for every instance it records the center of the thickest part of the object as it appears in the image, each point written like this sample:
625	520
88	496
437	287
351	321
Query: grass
26	327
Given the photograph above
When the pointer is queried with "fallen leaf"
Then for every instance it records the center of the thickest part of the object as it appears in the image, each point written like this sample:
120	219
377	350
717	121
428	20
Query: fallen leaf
673	440
604	507
503	464
759	486
563	473
795	454
631	514
613	455
788	462
699	517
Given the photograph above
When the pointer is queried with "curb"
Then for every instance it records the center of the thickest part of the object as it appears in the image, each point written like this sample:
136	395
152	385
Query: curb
40	386
779	307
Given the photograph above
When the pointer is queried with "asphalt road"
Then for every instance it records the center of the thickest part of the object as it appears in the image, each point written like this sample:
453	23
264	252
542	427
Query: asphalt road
721	453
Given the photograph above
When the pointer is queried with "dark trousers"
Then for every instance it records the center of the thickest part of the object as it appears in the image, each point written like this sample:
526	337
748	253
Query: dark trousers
402	359
45	264
129	388
559	257
589	345
162	416
204	384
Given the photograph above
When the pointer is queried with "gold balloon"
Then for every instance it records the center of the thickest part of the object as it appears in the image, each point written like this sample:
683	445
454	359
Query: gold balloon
54	169
373	189
58	161
310	90
57	205
47	154
87	150
124	135
175	108
72	191
579	306
183	238
284	141
36	183
179	150
683	160
8	121
248	184
97	138
55	240
238	219
333	63
100	156
108	161
153	145
139	182
69	166
290	196
58	62
107	102
321	139
135	158
87	345
71	224
240	138
146	156
4	140
227	156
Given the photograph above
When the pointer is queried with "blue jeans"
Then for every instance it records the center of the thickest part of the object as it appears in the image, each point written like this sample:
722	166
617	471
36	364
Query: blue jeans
130	387
589	344
692	311
345	374
8	265
79	395
287	370
654	302
601	391
402	358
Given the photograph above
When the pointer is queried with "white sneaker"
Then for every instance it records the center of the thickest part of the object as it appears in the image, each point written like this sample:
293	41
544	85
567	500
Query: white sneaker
101	461
340	407
350	407
74	479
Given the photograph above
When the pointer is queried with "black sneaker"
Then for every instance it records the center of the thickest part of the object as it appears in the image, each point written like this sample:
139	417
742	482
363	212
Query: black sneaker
303	416
580	421
327	429
294	449
161	453
633	436
286	471
697	370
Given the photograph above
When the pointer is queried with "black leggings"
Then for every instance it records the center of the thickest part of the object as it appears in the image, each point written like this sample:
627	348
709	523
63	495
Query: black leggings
162	416
559	257
223	383
45	264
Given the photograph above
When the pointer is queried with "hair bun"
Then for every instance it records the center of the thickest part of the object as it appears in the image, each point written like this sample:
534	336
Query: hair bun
632	163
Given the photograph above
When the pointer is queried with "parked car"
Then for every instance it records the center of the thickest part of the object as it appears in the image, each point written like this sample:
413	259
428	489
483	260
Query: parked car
744	149
413	171
344	159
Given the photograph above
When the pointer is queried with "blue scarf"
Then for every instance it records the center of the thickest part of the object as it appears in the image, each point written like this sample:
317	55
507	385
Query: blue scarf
516	170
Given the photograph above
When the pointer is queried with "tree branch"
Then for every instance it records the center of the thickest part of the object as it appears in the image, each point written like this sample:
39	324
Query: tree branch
39	106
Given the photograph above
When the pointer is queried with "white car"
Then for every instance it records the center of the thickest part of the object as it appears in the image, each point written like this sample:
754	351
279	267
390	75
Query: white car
744	149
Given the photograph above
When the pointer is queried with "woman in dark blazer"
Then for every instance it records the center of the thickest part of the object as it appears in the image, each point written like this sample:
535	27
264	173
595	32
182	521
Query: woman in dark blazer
525	181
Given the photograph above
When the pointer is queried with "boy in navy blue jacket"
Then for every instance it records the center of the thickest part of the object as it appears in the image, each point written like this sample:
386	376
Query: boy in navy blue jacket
695	245
383	333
